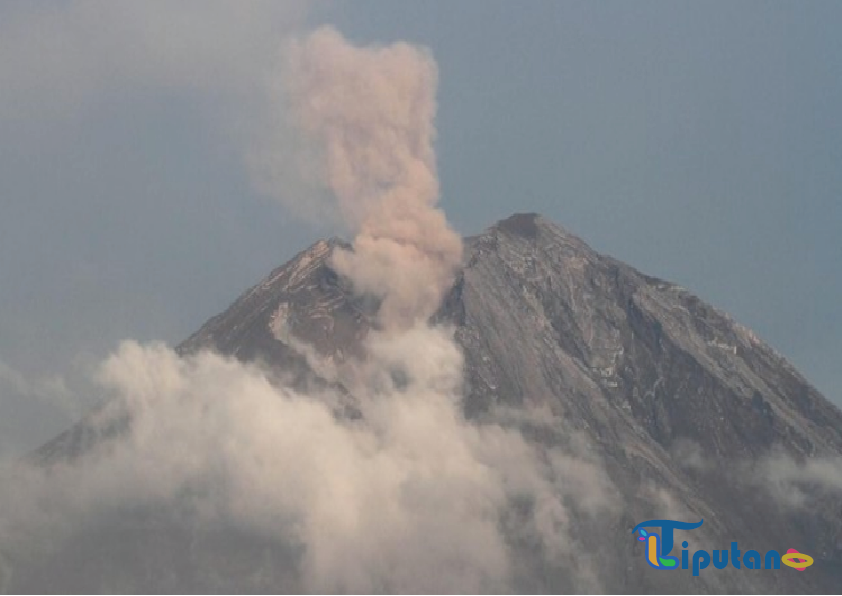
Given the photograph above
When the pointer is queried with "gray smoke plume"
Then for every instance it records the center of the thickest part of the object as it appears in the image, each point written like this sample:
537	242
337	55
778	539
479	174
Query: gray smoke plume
368	114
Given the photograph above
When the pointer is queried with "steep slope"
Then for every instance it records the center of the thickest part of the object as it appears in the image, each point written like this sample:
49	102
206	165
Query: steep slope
675	394
687	412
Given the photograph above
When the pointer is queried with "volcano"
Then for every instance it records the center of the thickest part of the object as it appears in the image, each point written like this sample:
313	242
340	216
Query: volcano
688	413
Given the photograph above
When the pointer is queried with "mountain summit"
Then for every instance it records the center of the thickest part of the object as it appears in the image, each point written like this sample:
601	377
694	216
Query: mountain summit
545	320
686	413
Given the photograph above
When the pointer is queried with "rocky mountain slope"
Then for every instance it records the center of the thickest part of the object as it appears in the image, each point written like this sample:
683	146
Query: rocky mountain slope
687	412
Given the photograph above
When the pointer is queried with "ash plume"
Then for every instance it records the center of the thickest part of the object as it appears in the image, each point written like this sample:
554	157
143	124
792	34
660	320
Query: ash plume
368	114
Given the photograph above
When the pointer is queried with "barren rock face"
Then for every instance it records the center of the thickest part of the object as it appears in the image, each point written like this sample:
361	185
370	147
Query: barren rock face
686	412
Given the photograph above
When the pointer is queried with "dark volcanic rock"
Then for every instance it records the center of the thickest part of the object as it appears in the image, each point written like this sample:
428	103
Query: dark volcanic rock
684	407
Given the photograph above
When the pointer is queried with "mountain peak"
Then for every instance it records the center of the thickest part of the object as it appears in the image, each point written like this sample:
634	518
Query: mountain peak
521	224
528	231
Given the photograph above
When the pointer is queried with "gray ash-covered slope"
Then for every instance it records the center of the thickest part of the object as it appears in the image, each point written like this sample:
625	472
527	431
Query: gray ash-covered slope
306	295
686	410
675	393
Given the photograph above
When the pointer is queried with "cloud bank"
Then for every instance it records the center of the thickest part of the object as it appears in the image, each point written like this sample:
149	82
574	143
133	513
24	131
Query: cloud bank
409	497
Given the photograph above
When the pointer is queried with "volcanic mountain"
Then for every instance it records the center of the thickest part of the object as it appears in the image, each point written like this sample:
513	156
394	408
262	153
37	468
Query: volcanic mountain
688	413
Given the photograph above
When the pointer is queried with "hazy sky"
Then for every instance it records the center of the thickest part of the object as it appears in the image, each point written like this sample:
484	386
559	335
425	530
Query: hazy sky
701	143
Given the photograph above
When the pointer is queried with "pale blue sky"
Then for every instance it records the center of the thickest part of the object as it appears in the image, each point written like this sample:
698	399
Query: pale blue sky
699	142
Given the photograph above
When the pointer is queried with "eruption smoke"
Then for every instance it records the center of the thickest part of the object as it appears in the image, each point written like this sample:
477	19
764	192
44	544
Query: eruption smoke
369	113
204	475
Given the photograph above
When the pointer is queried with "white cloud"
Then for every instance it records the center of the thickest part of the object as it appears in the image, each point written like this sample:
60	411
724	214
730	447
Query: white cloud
408	498
53	389
795	484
